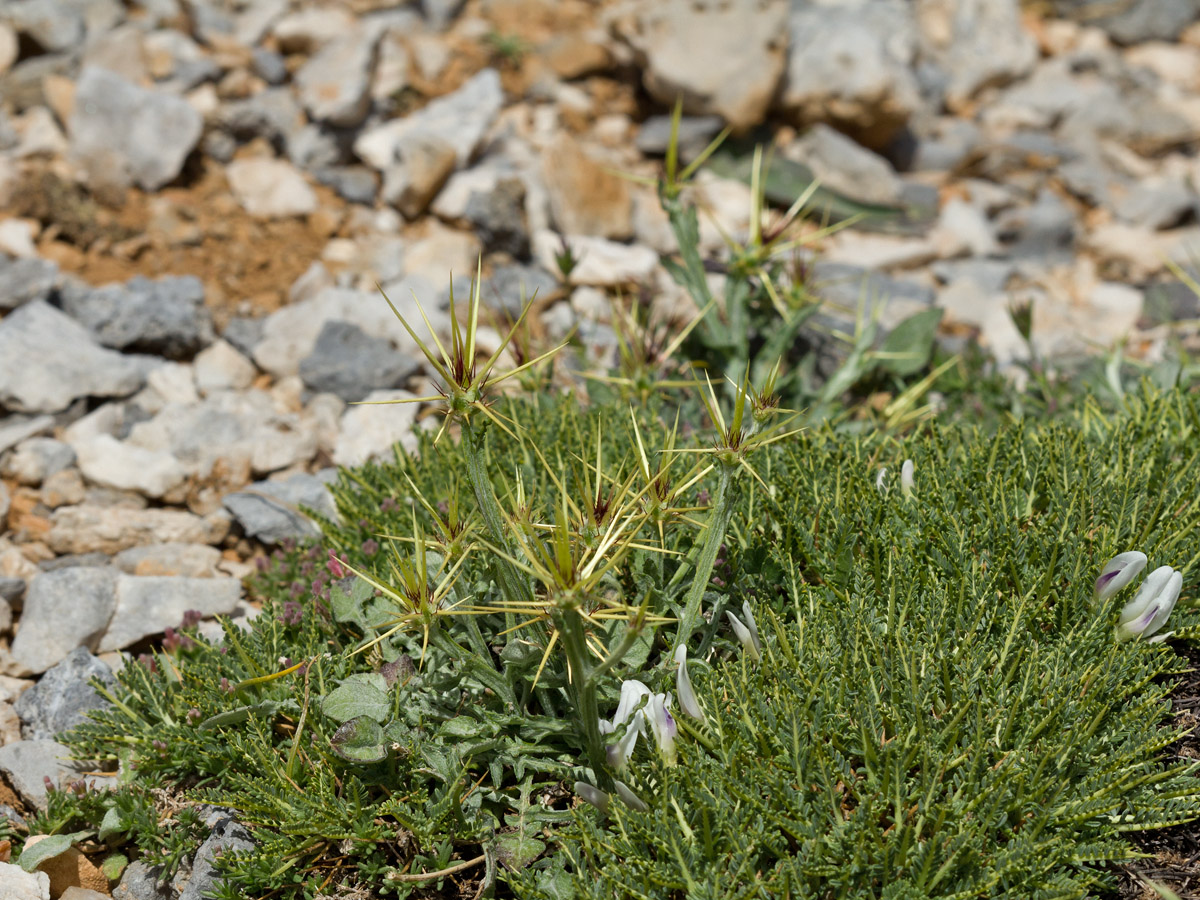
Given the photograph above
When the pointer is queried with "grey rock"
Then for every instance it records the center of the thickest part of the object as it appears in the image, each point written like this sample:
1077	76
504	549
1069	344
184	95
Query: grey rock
1158	204
143	882
461	119
27	765
25	280
334	83
48	360
316	147
990	274
166	317
1133	117
63	610
37	458
268	65
219	145
14	429
63	697
1135	21
1046	228
5	501
273	114
440	13
722	58
1088	178
351	363
499	217
149	604
122	133
1171	301
271	511
845	285
850	65
22	86
947	146
227	837
51	25
844	166
289	334
22	885
979	44
94	559
508	288
244	334
357	184
12	589
695	133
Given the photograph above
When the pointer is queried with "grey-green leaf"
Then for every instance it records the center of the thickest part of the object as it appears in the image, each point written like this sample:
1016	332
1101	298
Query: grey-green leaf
354	699
360	740
48	848
908	347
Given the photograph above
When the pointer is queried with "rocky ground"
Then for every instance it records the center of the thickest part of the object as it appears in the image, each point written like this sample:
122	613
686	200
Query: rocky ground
198	198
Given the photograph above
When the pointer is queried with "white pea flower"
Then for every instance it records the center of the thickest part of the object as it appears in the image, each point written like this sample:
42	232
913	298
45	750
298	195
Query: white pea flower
747	634
662	725
592	795
906	479
683	685
1147	612
1117	573
879	485
629	798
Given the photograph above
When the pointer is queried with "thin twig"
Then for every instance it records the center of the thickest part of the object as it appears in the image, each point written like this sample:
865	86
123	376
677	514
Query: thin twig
440	873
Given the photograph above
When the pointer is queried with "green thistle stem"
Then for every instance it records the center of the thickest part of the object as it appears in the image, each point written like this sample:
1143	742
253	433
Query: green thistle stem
583	693
515	588
722	511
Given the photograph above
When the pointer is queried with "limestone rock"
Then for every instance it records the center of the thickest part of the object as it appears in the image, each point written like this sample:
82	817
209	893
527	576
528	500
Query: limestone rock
122	134
63	696
585	196
270	188
47	360
369	432
148	605
88	529
64	609
723	58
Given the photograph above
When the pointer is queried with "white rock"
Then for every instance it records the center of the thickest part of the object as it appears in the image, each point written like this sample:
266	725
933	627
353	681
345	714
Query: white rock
17	884
174	383
600	261
461	119
312	28
40	134
443	252
368	432
290	334
16	237
106	461
451	202
219	367
963	230
149	604
64	609
8	47
847	167
270	188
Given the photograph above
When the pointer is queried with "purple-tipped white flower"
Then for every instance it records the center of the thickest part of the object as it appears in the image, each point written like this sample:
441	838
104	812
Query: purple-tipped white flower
1148	610
683	684
744	636
906	479
1117	573
629	798
631	716
662	724
592	795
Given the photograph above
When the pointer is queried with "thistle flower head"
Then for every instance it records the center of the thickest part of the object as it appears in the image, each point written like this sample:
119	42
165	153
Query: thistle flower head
1117	573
